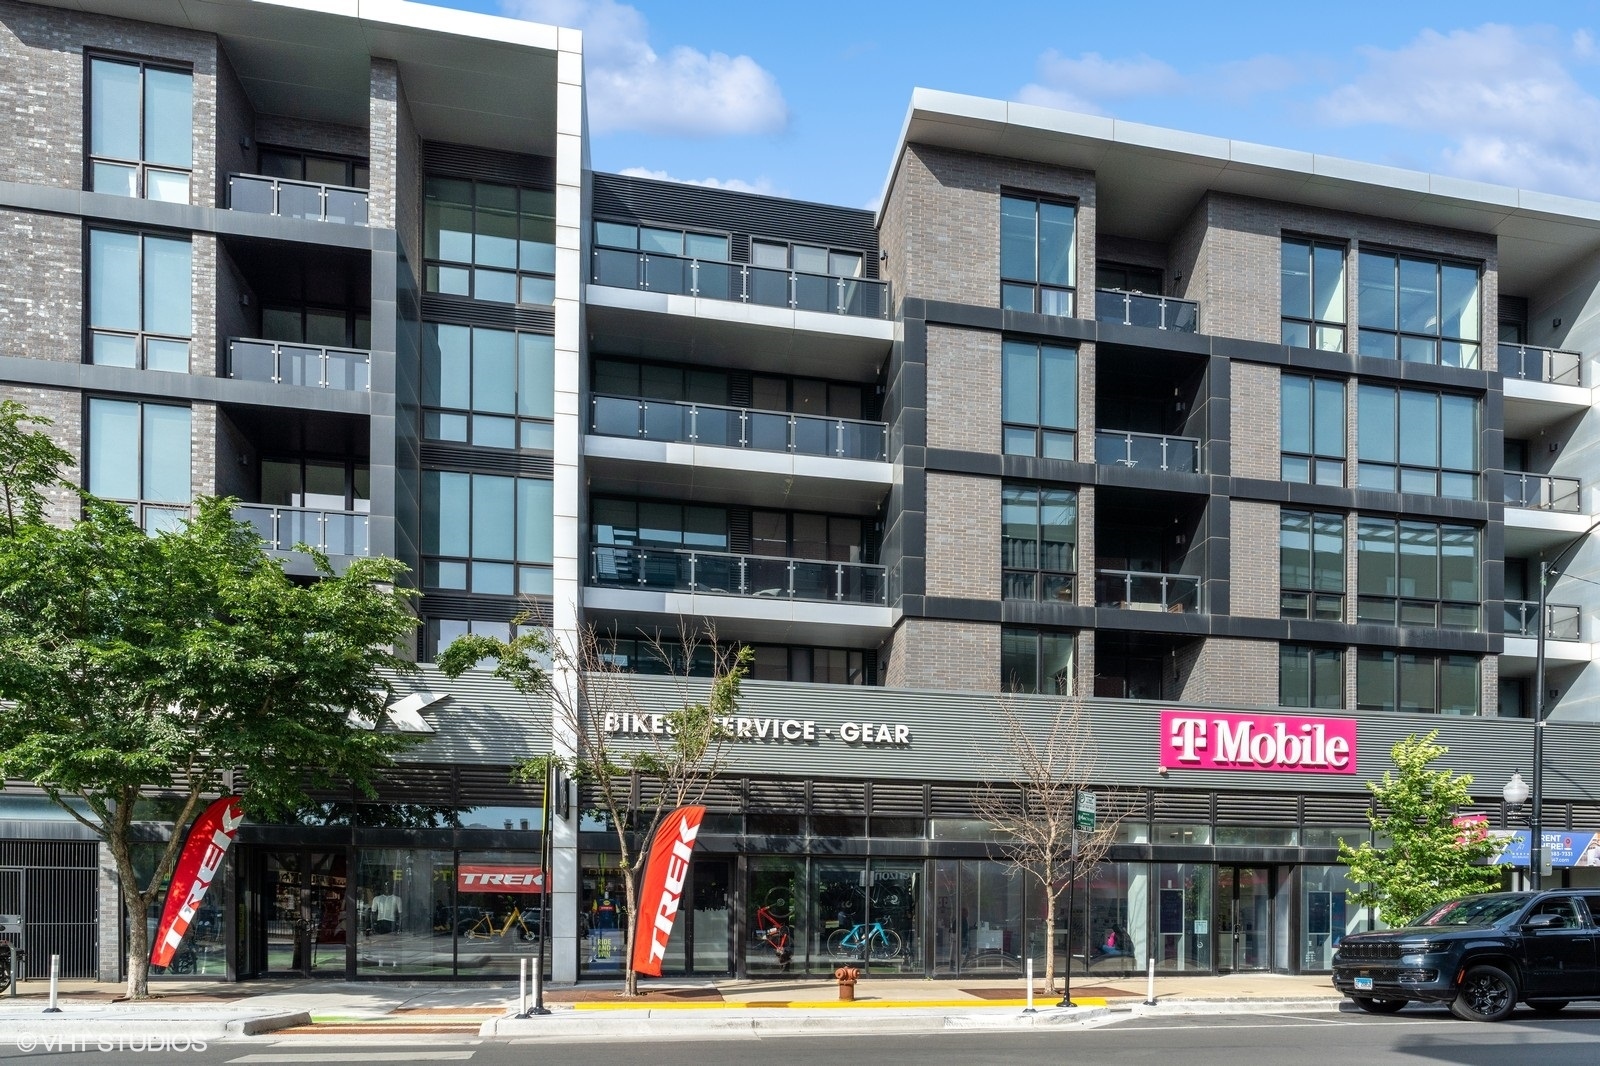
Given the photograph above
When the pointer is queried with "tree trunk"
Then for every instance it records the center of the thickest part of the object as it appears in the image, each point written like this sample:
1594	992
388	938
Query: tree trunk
136	906
1050	943
630	893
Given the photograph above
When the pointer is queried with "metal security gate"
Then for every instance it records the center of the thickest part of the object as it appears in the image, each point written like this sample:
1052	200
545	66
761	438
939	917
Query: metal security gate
54	885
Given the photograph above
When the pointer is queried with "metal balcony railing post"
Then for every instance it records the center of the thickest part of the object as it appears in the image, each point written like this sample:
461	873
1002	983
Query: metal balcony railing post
741	567
693	568
644	420
744	284
694	277
694	423
838	439
792	428
789	566
794	290
838	300
744	427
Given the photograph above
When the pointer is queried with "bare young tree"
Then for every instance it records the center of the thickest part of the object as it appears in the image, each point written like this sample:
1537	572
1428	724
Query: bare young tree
608	740
1030	799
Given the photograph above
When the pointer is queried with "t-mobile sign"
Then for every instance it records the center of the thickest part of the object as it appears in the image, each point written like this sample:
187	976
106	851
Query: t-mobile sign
1211	740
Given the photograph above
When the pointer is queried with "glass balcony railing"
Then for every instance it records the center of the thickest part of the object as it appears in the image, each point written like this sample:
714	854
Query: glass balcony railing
716	280
297	199
1152	312
1543	492
737	427
282	363
1138	590
728	574
1147	451
1561	620
1552	365
330	532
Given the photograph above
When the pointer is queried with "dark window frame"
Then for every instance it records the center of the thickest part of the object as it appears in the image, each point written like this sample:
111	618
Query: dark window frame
1447	471
1028	573
1313	467
1040	293
1389	607
1314	326
1369	660
141	166
1050	440
435	266
1313	697
140	336
1404	344
1315	598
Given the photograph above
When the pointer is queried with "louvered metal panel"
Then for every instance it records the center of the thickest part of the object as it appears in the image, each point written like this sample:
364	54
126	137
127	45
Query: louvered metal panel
724	795
950	801
488	608
740	215
898	799
1235	808
1337	811
484	785
488	164
440	456
839	797
775	797
1121	805
461	311
1586	816
1180	808
432	786
54	885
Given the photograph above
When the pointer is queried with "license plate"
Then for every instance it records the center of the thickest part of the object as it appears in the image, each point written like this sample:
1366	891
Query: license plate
1363	984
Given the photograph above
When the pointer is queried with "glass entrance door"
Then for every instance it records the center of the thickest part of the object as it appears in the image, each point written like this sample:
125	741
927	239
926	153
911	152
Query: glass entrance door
1244	911
303	913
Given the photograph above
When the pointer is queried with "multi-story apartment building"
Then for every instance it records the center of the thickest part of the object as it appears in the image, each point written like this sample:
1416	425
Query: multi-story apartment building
1212	439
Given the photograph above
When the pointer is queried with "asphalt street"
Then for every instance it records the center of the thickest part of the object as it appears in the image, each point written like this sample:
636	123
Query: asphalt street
1290	1038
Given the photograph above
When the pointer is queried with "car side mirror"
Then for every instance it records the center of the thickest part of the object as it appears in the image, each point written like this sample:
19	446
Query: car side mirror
1545	921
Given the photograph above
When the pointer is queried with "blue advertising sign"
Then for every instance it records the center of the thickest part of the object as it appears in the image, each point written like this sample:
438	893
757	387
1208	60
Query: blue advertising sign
1563	847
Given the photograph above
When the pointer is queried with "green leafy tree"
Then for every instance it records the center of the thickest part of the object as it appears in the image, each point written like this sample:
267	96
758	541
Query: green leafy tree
1429	858
135	666
584	688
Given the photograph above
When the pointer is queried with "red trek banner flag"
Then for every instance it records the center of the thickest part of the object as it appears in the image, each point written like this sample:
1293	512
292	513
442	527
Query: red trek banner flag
664	875
198	863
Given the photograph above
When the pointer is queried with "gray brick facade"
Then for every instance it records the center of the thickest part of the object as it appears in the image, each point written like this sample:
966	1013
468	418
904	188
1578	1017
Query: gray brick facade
963	537
931	654
41	287
963	389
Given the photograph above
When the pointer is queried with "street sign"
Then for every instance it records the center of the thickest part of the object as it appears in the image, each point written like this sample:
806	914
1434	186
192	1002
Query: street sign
1086	811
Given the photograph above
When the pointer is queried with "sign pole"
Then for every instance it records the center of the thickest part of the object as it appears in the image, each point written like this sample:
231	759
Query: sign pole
544	892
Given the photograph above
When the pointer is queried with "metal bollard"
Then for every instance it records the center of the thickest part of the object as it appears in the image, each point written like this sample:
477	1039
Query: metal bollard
55	983
522	988
1150	994
1029	1008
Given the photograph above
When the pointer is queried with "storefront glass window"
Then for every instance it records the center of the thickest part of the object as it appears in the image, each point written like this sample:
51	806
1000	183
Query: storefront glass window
1182	922
1250	836
399	895
494	927
776	922
1325	914
1118	933
603	917
895	903
977	918
706	934
1170	833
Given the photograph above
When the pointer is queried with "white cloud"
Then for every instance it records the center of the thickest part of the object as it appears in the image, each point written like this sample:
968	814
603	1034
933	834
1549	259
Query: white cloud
1501	96
633	87
1086	82
762	185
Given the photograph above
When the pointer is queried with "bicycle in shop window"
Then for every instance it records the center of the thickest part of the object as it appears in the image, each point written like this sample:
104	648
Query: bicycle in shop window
484	927
772	925
872	940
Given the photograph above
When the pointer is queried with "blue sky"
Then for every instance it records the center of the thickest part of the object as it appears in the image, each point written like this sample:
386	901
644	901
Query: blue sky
806	99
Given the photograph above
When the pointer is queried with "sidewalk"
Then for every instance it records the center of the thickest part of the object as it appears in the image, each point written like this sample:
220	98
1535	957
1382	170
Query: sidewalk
210	1011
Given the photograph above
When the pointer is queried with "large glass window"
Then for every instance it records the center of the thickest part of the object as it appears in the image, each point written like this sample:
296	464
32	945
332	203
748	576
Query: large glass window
488	387
139	301
485	533
1038	255
141	130
1039	398
1035	661
138	454
1312	294
1038	542
1412	440
490	242
1310	677
1388	680
1311	430
1311	565
1419	310
1412	573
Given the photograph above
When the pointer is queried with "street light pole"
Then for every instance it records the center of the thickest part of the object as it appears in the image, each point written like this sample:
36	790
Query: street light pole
1536	829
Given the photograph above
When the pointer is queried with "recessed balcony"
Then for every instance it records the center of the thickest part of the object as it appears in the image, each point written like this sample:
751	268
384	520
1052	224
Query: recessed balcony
313	365
1543	492
1151	312
335	533
731	574
260	195
1139	590
796	290
714	425
1147	451
1552	366
1562	620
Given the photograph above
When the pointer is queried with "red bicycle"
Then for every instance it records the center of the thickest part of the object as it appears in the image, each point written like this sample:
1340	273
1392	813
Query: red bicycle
772	923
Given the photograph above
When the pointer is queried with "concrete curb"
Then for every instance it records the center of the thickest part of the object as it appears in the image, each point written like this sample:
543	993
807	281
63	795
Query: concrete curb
650	1025
89	1029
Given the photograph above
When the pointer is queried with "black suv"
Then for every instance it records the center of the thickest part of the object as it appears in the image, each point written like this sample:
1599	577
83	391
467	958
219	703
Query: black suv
1480	954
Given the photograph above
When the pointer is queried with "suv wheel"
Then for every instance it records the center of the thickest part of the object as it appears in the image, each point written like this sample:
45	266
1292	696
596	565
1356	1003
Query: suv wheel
1379	1006
1488	994
1546	1006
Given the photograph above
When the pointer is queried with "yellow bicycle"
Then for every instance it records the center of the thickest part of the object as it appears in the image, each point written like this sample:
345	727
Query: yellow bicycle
484	927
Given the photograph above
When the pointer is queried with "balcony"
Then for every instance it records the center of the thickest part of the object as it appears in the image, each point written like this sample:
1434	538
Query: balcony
764	286
1151	312
1561	620
259	195
1148	451
1552	366
299	364
737	427
1134	590
729	574
1542	492
330	532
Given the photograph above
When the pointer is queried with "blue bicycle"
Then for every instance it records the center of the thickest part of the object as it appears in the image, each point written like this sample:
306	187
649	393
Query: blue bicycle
874	941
